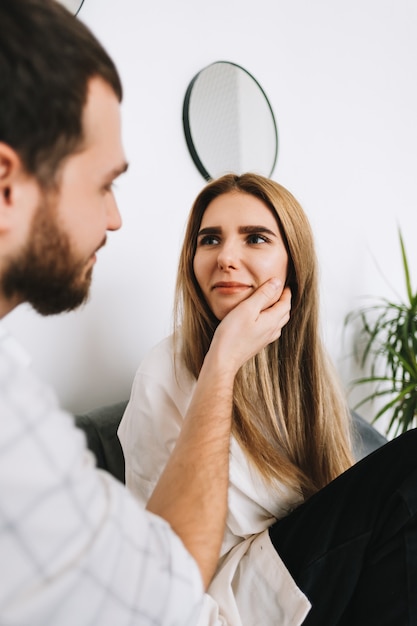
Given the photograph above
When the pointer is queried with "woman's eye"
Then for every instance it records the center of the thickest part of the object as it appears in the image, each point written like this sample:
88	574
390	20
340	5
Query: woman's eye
209	240
256	238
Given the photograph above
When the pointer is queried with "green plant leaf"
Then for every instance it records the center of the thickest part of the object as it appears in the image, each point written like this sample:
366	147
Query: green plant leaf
406	270
388	349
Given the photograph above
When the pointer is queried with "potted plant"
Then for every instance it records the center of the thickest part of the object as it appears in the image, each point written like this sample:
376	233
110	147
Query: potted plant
388	348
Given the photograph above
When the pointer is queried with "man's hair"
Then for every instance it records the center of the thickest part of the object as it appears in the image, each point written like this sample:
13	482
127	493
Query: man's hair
47	57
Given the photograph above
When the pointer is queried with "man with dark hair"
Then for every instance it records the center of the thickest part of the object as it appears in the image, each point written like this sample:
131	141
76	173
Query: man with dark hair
75	546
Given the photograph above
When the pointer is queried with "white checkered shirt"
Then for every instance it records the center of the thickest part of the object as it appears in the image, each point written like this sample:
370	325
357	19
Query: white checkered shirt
75	548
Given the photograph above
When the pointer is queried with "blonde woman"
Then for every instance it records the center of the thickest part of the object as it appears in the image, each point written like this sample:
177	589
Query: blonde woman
291	426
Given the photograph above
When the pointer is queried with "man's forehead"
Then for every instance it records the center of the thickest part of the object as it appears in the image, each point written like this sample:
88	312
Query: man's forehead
102	125
101	114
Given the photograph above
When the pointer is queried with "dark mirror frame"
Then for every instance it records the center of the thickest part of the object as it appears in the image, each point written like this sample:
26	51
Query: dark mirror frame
187	130
186	120
75	12
78	10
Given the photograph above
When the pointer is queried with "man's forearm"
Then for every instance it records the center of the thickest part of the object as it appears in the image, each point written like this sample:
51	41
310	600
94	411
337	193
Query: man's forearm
192	491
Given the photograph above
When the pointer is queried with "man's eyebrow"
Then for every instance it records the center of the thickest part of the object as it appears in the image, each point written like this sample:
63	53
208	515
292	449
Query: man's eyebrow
117	171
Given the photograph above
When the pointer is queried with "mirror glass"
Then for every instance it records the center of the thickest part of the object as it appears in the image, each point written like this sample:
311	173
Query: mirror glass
229	124
72	5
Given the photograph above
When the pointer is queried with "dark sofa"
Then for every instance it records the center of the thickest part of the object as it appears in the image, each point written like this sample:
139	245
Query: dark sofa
101	424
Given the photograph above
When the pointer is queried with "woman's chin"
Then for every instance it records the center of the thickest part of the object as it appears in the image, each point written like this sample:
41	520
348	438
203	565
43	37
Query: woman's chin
221	312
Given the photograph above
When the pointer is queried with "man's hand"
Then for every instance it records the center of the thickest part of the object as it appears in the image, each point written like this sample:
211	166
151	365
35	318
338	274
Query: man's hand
192	492
252	325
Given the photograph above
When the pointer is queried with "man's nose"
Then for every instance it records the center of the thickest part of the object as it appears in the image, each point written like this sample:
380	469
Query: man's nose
114	219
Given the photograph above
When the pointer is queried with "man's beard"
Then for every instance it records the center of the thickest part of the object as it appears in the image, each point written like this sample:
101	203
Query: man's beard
46	273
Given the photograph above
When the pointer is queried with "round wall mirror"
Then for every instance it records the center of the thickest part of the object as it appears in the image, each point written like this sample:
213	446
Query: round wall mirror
72	5
229	124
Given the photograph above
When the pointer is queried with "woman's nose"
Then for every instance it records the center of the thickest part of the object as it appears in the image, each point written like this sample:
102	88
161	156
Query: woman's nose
227	257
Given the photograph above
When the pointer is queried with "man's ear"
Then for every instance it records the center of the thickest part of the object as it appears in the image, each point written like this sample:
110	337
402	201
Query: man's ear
12	174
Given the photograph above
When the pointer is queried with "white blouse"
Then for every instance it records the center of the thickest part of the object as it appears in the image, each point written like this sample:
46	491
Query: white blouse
251	585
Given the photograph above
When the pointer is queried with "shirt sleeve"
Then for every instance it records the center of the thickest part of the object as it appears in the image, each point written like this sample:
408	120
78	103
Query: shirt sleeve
253	586
75	546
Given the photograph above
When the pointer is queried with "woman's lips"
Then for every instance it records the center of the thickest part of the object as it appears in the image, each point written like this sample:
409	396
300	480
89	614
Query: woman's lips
229	287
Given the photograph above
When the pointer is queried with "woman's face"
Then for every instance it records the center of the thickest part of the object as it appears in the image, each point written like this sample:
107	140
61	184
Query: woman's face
239	247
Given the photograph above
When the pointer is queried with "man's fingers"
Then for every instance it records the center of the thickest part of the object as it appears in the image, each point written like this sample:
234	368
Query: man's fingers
278	314
254	323
285	301
267	294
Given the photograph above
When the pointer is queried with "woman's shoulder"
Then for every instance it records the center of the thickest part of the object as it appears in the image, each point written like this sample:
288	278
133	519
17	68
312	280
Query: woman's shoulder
167	350
159	358
164	362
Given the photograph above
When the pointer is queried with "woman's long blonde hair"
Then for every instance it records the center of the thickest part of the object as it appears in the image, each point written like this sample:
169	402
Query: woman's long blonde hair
289	412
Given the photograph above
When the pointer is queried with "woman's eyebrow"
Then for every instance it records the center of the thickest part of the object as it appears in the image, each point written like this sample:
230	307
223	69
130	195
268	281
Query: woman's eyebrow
249	230
243	230
210	230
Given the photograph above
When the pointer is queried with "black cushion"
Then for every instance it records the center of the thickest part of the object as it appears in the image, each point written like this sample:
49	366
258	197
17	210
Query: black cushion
100	427
366	438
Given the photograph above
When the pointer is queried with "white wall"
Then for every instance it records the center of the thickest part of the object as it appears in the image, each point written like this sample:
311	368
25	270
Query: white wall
341	78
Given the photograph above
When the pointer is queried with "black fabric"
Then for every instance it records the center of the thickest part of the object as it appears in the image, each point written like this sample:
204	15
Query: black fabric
352	547
100	427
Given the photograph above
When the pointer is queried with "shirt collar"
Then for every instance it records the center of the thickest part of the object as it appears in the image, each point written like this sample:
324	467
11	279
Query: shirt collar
13	348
